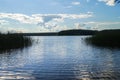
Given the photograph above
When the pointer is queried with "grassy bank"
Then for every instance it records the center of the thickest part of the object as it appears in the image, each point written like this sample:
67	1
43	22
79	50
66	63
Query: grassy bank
13	41
106	38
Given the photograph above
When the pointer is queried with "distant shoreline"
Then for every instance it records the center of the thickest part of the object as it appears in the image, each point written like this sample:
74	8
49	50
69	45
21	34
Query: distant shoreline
44	34
74	32
37	34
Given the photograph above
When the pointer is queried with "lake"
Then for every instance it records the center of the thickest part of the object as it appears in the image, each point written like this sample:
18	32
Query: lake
61	58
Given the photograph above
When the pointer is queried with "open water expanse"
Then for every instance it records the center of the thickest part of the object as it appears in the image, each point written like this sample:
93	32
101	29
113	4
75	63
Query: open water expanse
60	58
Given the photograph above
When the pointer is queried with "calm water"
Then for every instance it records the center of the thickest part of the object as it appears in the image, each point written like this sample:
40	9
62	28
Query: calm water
61	58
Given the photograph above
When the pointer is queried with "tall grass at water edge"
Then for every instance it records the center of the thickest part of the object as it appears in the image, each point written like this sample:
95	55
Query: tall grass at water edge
105	38
14	41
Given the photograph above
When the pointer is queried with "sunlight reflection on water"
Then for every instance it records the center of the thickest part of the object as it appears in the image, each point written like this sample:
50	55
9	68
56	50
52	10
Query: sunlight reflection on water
63	58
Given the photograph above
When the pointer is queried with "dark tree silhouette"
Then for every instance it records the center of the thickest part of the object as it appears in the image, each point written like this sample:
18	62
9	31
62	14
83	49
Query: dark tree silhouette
117	1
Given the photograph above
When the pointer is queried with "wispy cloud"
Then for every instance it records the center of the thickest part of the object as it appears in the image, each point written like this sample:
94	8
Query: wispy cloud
108	2
21	18
43	22
68	6
80	26
42	18
88	0
2	22
103	25
75	3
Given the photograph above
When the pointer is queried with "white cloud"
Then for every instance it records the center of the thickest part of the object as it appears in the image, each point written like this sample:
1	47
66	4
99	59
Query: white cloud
52	29
3	22
88	0
47	17
5	29
59	28
74	16
68	7
80	26
103	25
108	2
43	18
75	3
21	18
42	22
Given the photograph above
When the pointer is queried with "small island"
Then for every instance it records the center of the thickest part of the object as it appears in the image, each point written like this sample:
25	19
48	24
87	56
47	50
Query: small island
75	32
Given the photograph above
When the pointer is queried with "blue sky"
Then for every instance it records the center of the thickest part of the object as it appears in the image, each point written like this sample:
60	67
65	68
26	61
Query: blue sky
56	15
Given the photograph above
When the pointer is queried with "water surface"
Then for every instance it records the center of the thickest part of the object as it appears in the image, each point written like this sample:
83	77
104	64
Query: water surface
61	58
